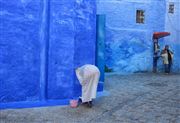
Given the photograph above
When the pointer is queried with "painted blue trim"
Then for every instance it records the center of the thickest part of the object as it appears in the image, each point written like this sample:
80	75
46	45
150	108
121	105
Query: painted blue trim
43	55
44	50
100	86
25	104
47	47
100	44
63	102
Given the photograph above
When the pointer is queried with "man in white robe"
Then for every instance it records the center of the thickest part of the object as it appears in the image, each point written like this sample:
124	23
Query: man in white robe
88	76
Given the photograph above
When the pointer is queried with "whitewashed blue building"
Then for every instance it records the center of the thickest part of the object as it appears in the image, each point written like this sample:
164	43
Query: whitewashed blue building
129	28
42	42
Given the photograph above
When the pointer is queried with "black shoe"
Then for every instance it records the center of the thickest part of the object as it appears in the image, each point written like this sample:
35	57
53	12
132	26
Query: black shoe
84	103
89	104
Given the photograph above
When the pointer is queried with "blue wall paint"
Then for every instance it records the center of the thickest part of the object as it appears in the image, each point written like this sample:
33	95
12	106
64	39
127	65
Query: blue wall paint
41	44
173	26
60	80
20	50
85	36
128	44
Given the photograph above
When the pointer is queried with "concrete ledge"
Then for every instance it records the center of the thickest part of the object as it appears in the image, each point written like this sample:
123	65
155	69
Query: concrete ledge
14	105
63	102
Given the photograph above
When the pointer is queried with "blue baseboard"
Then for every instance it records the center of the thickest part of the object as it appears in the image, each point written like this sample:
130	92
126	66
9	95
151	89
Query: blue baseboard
100	86
25	104
28	104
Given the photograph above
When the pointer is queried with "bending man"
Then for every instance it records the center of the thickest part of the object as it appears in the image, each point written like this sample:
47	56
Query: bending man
88	76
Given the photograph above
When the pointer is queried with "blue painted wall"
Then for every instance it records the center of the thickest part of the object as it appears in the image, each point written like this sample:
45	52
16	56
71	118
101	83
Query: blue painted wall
172	25
61	50
128	44
20	24
85	36
41	44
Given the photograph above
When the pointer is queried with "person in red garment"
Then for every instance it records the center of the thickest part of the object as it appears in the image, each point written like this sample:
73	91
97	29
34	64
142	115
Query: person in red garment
88	76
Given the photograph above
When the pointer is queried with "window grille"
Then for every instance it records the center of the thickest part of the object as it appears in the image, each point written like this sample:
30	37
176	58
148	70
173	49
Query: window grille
171	8
140	16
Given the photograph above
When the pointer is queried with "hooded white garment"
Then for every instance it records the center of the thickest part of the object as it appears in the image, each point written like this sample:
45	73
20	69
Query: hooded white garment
88	76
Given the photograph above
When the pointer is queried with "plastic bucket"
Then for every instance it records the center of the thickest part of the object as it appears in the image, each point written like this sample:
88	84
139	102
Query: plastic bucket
74	103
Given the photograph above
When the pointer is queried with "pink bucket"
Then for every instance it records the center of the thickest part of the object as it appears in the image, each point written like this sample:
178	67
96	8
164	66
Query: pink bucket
74	103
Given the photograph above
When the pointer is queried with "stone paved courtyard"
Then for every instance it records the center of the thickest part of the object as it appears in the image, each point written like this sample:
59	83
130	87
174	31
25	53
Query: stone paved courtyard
137	98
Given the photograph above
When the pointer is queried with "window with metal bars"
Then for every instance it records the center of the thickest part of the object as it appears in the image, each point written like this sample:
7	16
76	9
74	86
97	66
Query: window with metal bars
140	16
171	8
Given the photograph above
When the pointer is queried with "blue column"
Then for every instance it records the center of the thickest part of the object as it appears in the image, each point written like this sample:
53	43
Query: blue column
100	45
44	42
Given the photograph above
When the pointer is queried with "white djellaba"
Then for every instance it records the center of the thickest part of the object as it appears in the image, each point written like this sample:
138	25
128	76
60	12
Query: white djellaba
88	76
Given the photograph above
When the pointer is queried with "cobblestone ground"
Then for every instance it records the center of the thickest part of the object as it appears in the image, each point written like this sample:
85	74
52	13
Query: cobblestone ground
137	98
